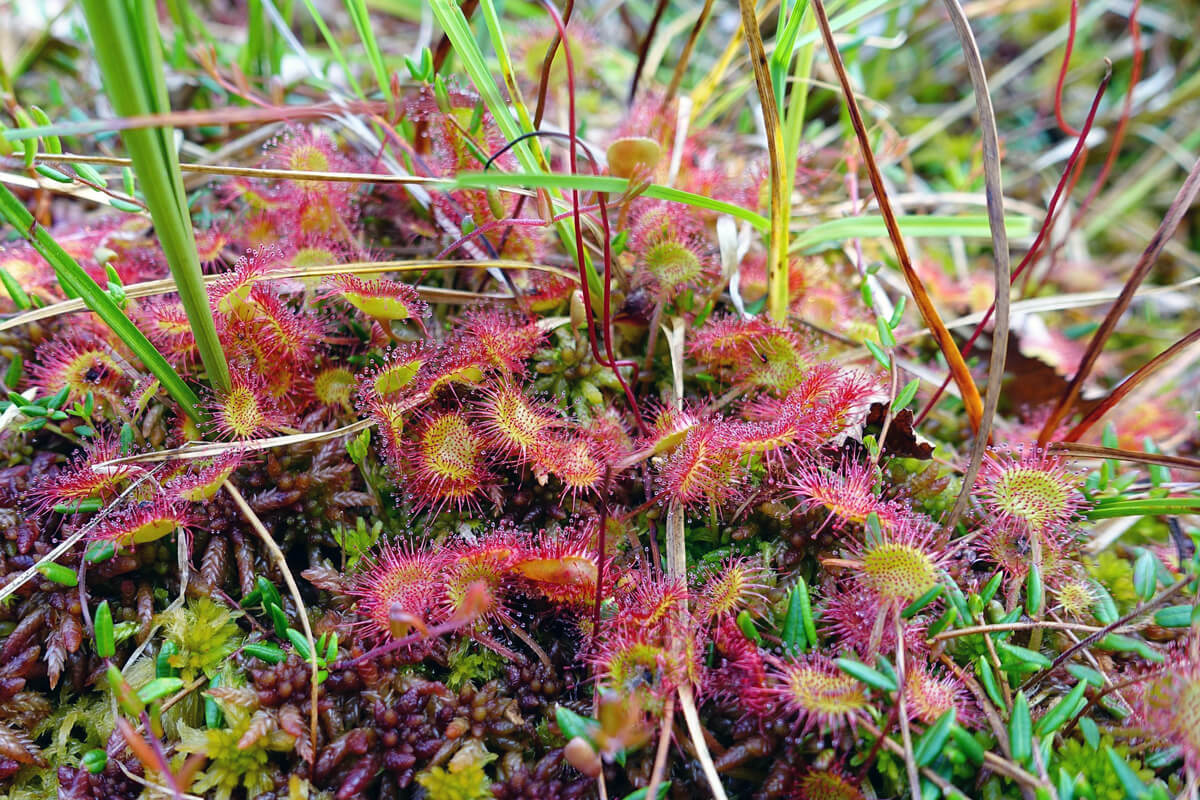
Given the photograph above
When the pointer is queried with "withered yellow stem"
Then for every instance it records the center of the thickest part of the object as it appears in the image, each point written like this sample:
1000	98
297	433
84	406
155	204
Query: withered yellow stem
777	261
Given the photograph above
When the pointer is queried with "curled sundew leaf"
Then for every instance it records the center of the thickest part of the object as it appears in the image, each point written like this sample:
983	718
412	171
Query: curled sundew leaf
633	155
380	298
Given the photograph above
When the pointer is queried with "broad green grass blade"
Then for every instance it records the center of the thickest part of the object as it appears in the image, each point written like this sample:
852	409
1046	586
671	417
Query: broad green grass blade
129	51
496	32
451	18
837	230
76	281
1159	506
528	154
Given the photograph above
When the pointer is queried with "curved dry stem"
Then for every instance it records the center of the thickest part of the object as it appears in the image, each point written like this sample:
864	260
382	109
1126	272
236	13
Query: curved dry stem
1145	608
1077	450
680	68
251	172
281	561
1003	267
660	753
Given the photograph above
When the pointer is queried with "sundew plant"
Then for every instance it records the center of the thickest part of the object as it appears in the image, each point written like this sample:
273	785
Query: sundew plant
451	401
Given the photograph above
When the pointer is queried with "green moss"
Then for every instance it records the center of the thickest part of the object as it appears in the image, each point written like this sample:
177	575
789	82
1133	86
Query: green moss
1116	574
204	633
1077	758
240	753
465	780
470	663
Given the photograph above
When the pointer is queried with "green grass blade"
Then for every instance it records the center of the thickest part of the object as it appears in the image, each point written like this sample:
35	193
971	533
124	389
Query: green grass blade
451	18
76	281
362	23
129	52
528	153
870	226
331	42
496	33
1143	508
603	183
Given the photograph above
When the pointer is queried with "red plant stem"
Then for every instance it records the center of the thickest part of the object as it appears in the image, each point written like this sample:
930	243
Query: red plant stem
1062	72
529	222
1135	75
600	550
1129	384
580	253
547	63
155	747
1043	231
1080	166
644	50
1175	213
449	626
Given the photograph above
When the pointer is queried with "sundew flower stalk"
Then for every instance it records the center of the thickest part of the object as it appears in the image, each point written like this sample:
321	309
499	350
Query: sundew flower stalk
510	487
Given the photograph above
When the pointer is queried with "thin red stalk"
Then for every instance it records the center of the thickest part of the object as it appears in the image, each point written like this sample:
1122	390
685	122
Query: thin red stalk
1114	151
1175	214
1062	72
1043	231
601	547
1052	256
537	121
1135	75
529	222
449	626
155	747
580	253
1129	384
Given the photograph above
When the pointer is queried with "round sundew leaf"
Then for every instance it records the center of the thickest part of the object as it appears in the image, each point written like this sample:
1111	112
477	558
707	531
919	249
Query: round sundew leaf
149	531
